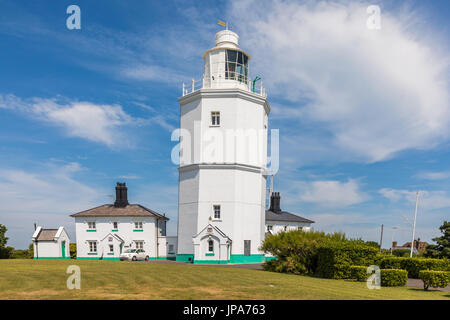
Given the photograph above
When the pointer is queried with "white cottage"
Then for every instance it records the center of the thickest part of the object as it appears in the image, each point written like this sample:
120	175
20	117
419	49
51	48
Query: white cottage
278	220
51	243
105	231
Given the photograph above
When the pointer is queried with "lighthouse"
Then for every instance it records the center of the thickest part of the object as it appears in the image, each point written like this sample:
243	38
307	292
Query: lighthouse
223	156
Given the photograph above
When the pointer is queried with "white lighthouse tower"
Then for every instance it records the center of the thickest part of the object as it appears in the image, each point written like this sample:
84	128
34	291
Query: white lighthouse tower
223	155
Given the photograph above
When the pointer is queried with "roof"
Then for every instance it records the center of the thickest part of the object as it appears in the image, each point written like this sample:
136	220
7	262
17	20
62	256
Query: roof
47	234
109	210
285	216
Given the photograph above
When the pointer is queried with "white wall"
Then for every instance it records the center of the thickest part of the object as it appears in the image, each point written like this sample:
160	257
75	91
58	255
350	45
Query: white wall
279	226
104	226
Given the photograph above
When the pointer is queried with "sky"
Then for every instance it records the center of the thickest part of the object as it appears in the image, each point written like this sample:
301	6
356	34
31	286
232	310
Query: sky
363	114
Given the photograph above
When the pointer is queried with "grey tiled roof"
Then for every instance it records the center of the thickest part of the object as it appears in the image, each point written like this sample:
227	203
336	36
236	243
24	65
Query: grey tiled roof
285	216
46	234
109	210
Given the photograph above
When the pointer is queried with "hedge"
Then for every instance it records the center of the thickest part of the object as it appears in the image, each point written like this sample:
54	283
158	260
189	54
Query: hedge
359	273
335	259
415	265
435	279
393	277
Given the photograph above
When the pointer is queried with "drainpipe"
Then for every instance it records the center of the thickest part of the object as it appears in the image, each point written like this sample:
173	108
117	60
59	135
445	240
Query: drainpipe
157	244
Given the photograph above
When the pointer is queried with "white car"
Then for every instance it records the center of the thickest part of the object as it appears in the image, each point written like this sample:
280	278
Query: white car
134	254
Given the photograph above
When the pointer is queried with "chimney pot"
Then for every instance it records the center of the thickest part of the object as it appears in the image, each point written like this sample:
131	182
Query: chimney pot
275	202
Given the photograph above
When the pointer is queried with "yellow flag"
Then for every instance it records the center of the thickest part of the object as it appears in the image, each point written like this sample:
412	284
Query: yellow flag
220	22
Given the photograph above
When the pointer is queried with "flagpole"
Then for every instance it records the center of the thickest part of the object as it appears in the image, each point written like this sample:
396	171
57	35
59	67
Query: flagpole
414	225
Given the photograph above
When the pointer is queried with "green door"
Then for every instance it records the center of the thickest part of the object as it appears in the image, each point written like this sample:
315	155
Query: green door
63	247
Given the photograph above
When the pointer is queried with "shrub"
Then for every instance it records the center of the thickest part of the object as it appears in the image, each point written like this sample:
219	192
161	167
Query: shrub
435	279
334	259
296	251
359	273
401	253
393	277
415	265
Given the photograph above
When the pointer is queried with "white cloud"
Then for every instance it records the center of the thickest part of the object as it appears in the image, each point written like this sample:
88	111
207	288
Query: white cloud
376	92
428	200
47	196
440	175
104	124
332	193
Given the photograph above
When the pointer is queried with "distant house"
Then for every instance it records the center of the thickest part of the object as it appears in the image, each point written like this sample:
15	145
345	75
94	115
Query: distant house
419	246
106	231
51	243
278	220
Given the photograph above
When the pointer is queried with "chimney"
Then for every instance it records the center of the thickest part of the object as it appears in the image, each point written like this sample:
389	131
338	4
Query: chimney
275	202
121	195
394	244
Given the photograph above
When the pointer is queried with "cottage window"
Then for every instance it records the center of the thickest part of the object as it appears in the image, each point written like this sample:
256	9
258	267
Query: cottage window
91	225
211	246
269	228
216	209
92	246
138	225
139	244
170	248
115	225
215	118
111	248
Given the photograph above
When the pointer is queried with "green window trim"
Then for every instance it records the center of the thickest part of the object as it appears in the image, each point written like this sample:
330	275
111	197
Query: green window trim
210	253
91	230
138	229
115	230
110	253
92	253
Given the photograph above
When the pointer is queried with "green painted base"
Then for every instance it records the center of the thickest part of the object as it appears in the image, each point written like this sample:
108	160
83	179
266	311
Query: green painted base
270	258
210	262
51	258
97	258
240	258
184	257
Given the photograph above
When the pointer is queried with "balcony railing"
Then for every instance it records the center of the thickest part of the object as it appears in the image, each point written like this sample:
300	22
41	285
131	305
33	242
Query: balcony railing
238	80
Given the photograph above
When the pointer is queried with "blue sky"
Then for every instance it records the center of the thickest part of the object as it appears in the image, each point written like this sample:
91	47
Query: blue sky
363	114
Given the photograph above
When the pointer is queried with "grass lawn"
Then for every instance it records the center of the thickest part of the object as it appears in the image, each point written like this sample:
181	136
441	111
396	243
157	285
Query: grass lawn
46	279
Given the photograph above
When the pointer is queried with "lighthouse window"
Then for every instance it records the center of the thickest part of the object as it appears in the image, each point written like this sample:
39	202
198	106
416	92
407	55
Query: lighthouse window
215	118
236	67
216	211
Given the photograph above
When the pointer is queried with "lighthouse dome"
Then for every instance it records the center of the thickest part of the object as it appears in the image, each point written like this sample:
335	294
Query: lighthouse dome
227	39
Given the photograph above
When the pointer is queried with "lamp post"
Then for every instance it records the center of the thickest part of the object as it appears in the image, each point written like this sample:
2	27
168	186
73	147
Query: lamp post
392	242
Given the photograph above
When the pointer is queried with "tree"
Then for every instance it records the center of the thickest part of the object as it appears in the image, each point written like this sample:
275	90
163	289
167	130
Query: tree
442	248
5	252
3	238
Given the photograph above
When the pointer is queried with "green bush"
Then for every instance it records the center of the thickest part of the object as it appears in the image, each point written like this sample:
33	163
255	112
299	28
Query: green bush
73	250
401	253
334	259
393	277
359	273
296	251
435	279
415	265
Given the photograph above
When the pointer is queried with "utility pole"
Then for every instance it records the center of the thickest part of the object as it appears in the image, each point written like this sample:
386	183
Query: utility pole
414	225
381	238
